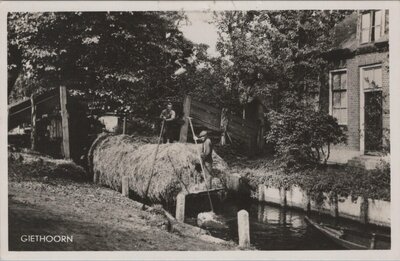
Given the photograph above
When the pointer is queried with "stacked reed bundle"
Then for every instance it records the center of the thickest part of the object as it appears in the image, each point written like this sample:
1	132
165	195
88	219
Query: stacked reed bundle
115	156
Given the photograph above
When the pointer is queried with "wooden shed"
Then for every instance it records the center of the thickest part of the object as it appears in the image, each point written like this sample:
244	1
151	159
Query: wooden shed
55	123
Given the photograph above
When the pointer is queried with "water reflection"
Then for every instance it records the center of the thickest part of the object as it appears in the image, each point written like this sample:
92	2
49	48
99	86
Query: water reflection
272	227
275	215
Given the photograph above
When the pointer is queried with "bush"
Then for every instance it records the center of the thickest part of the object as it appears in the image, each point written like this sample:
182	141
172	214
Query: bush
348	181
343	181
302	136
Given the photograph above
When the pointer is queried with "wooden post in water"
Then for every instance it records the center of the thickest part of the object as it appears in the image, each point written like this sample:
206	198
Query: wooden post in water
33	124
282	196
260	192
186	113
180	207
260	212
335	207
364	211
373	241
65	122
307	205
125	186
244	229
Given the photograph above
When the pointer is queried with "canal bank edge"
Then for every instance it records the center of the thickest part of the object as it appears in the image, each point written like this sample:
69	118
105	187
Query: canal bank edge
363	210
188	230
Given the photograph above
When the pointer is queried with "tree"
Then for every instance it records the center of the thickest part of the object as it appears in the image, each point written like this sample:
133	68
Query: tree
274	53
302	136
116	60
278	55
207	80
14	67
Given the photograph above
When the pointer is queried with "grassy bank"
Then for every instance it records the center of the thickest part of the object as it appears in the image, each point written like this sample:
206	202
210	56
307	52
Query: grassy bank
55	197
342	180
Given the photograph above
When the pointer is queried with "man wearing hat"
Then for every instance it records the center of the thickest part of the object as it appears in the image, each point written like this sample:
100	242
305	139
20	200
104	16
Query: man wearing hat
206	155
168	115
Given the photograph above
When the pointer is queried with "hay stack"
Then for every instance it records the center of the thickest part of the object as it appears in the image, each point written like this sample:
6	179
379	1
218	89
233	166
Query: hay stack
115	156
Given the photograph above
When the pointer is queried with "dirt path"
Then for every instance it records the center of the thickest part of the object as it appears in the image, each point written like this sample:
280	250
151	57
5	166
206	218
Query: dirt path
98	219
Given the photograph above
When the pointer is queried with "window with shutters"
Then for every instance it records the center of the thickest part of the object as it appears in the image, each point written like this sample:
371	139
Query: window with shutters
339	96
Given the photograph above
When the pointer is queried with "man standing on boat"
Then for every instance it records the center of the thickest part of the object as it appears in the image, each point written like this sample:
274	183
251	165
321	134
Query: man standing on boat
168	115
206	156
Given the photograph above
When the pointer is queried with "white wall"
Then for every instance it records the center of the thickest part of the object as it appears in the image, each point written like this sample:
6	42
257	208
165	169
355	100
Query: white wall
110	122
378	210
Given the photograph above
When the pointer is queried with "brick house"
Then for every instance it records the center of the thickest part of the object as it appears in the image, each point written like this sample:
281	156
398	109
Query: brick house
357	93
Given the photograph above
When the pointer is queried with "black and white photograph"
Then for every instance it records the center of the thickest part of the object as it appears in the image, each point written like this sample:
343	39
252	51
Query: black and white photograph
246	129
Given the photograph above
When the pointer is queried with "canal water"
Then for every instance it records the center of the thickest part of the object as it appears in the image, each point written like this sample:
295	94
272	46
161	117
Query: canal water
271	227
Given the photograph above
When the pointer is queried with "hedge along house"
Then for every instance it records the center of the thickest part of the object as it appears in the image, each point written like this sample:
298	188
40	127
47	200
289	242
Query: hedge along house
358	90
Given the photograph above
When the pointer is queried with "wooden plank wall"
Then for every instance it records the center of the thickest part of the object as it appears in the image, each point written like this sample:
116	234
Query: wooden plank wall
31	111
21	112
210	117
205	115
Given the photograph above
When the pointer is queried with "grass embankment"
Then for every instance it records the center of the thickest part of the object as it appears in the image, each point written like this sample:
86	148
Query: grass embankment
54	197
342	180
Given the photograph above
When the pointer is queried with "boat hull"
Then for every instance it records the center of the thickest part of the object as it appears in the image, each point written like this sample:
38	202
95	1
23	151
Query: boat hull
342	238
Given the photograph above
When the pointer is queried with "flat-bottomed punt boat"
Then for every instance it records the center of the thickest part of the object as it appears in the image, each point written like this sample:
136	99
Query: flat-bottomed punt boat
351	239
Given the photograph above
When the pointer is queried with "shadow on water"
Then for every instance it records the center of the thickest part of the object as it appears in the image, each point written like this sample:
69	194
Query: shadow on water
271	227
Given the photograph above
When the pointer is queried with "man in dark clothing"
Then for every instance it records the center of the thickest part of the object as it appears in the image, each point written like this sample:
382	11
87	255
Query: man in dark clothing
206	156
168	115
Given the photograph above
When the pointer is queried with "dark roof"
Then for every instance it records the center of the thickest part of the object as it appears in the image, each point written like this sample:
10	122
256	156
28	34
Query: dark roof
345	33
346	44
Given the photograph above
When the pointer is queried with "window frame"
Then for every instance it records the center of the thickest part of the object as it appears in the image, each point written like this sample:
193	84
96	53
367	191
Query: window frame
331	92
368	28
372	68
363	90
371	27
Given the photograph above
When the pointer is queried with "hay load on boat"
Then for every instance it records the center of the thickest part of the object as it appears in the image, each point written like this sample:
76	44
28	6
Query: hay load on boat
176	167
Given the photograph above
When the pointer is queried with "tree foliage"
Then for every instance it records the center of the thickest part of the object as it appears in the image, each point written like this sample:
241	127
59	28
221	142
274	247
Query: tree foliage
277	55
276	52
302	136
117	60
208	81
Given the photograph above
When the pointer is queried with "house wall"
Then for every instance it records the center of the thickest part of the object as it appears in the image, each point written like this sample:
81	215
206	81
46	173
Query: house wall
352	57
353	66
